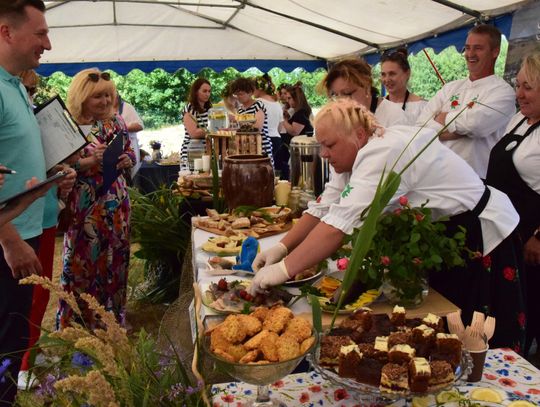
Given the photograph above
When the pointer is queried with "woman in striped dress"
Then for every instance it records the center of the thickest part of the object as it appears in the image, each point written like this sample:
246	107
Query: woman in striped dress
243	89
195	114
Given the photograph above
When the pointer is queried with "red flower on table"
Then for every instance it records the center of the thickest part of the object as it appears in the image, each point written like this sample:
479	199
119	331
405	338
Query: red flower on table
315	388
304	397
509	358
342	263
455	103
521	320
507	382
490	376
533	391
227	398
341	394
509	273
403	200
486	262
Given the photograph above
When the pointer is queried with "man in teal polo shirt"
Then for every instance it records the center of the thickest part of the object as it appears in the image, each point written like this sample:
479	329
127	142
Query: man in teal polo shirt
23	38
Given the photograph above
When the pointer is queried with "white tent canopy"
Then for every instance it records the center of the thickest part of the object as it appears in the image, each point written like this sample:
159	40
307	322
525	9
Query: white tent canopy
243	33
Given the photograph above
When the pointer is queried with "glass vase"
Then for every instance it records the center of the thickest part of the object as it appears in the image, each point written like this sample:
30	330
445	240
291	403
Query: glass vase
408	292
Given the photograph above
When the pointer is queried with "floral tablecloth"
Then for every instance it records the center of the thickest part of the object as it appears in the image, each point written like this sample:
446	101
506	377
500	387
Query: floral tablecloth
504	370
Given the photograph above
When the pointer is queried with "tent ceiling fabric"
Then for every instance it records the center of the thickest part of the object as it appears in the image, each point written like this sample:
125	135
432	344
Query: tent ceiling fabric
243	33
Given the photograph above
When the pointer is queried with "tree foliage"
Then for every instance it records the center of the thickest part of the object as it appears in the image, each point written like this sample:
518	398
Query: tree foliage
159	97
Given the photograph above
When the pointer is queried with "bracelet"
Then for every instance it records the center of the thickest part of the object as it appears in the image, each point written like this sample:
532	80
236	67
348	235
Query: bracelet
76	166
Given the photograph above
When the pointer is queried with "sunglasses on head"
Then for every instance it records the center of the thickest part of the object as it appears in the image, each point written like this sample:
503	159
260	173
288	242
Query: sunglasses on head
94	77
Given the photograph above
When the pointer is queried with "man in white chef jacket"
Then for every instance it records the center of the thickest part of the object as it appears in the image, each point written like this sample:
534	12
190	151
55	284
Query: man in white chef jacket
475	131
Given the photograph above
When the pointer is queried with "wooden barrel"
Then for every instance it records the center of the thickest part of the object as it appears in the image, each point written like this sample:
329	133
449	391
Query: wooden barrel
248	180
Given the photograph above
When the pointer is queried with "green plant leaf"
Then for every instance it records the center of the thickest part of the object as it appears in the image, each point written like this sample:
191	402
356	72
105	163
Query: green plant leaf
316	312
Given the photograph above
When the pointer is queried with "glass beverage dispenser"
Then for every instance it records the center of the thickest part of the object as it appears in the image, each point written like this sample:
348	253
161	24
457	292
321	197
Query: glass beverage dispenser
309	171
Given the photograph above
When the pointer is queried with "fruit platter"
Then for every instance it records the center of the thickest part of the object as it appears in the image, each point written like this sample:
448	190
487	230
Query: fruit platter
232	296
326	288
392	357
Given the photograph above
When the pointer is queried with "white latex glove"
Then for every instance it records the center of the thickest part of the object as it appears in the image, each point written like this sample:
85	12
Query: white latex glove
269	276
271	256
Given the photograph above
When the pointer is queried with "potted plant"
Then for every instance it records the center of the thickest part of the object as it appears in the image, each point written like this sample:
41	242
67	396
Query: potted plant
406	246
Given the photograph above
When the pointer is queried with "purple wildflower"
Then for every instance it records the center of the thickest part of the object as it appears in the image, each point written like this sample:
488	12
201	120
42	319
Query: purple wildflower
81	361
3	369
175	391
46	387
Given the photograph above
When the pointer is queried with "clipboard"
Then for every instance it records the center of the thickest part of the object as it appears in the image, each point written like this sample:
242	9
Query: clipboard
60	135
110	158
18	195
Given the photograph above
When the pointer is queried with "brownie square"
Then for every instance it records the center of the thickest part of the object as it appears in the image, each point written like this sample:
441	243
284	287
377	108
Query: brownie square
369	371
331	347
401	354
442	375
349	360
394	378
419	374
398	316
399	338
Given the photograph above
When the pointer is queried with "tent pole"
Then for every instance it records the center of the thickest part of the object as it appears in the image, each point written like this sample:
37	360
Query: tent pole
463	9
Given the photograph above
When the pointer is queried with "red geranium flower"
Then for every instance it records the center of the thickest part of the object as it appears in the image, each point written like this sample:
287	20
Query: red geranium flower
490	376
533	391
509	358
385	260
509	273
419	217
507	382
279	384
486	262
340	394
403	200
342	263
522	319
304	397
227	398
315	388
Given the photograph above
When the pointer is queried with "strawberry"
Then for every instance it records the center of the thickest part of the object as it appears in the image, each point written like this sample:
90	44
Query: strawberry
222	285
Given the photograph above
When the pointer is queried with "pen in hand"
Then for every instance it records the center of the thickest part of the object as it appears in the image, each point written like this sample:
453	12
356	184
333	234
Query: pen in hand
7	171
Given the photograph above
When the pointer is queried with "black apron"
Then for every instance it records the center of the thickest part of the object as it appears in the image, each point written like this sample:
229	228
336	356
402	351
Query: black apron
503	175
480	284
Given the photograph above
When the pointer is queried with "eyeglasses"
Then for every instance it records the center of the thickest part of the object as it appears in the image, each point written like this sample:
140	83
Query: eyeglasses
94	77
31	90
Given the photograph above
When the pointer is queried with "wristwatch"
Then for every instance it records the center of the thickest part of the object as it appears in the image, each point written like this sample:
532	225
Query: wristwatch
536	233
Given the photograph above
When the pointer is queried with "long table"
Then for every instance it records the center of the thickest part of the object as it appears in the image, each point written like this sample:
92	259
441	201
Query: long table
505	370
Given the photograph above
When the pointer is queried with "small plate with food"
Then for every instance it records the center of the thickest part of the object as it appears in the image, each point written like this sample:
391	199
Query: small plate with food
224	245
327	287
232	296
223	266
305	277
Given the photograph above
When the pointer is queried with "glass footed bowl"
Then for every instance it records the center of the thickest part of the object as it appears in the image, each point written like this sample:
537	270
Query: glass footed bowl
461	373
260	375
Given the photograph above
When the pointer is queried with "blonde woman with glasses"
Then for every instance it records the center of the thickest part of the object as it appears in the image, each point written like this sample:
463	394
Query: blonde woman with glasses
96	244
